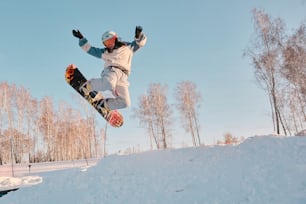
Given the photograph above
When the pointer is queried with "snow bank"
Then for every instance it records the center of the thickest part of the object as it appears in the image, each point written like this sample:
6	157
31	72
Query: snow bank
260	170
7	183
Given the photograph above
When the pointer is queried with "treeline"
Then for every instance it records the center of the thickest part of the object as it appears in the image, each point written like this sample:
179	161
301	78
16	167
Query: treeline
34	130
279	61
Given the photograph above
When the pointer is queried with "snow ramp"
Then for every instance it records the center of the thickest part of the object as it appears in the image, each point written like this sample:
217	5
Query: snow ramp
265	169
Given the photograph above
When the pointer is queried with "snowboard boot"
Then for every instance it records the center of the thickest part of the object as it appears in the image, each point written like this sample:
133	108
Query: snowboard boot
95	97
115	118
85	89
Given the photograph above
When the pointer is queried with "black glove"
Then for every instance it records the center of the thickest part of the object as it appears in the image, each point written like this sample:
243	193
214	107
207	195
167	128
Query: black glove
138	30
77	34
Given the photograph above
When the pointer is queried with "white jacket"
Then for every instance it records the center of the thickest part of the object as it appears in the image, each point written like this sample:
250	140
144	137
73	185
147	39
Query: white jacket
120	57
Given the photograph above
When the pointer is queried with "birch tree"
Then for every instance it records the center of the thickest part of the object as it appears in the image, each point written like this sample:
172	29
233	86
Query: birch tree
146	118
155	113
46	121
265	53
188	103
294	70
32	128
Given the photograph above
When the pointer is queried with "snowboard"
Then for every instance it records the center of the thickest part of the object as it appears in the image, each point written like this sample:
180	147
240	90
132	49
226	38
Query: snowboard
76	80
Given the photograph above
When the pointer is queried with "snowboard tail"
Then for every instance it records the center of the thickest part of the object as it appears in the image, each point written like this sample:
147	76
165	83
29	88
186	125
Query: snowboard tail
76	80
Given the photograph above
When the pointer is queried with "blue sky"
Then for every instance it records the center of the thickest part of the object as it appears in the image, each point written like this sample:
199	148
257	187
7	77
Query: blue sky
199	40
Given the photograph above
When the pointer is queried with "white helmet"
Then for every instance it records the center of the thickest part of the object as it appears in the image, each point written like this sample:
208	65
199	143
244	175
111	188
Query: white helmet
108	35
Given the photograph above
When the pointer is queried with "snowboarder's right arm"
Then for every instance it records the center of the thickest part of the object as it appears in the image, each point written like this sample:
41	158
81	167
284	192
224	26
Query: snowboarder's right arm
85	45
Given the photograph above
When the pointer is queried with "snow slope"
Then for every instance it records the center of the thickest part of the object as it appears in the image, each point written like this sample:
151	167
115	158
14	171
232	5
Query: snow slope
260	170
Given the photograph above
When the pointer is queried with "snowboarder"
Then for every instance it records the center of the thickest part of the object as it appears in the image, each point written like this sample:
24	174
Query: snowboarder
111	90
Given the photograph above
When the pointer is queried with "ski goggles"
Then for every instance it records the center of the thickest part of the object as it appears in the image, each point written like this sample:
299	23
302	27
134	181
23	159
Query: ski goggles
110	43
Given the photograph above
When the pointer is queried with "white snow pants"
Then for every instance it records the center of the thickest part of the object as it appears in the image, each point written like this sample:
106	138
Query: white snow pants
113	85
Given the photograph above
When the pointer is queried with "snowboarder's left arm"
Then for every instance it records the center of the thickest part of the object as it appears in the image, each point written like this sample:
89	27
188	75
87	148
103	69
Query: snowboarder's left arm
140	39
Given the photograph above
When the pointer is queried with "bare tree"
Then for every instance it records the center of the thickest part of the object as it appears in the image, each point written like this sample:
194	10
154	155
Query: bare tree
162	112
280	68
155	113
47	121
103	133
229	139
21	102
265	53
4	103
145	114
188	103
294	70
90	124
32	128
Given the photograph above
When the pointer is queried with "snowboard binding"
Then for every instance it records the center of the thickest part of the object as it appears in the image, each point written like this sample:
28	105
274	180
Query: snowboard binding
86	89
